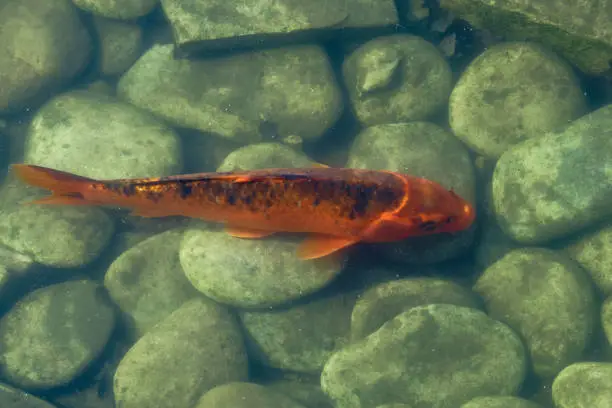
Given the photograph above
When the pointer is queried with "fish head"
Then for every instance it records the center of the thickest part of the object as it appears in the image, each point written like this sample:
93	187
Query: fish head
429	208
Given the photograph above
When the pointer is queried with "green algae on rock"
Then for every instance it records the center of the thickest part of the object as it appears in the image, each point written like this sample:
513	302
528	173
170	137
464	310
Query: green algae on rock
251	273
60	237
120	10
579	30
43	46
422	351
15	398
382	302
426	150
291	88
398	78
555	185
307	393
147	281
264	155
99	136
300	338
493	243
500	402
213	25
594	253
548	299
513	92
606	318
196	348
245	395
120	45
394	406
53	334
587	384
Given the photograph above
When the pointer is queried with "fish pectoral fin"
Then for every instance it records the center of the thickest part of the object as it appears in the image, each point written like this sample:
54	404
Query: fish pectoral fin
249	233
318	246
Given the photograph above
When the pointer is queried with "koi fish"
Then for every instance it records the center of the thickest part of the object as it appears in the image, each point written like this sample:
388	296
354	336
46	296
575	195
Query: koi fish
339	207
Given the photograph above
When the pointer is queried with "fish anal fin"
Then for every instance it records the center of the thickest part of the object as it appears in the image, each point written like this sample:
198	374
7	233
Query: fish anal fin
248	233
318	246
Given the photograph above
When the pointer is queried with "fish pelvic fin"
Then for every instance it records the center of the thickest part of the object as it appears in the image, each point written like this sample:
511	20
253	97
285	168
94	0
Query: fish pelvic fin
66	188
246	233
318	246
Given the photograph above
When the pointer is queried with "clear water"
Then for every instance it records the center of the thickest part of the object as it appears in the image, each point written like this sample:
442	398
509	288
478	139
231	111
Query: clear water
132	332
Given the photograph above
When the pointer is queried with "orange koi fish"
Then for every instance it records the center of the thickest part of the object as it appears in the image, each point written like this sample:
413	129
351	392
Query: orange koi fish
338	206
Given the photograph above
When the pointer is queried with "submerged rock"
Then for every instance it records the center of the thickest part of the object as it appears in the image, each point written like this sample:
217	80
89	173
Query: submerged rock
14	398
79	234
43	45
251	273
196	348
120	45
214	25
302	337
594	253
383	302
245	395
264	155
398	78
548	299
99	136
513	92
290	89
53	334
500	402
124	10
583	385
147	281
578	30
555	185
422	351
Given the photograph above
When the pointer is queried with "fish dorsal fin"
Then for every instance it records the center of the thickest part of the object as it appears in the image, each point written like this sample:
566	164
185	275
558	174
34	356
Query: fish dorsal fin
318	246
240	232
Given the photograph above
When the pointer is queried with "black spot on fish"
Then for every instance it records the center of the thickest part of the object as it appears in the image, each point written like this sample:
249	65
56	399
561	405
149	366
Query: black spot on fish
272	194
128	190
327	189
153	196
184	189
231	199
115	187
316	201
387	196
362	195
291	177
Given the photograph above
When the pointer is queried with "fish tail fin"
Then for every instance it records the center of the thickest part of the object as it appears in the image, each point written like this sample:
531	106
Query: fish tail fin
66	188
